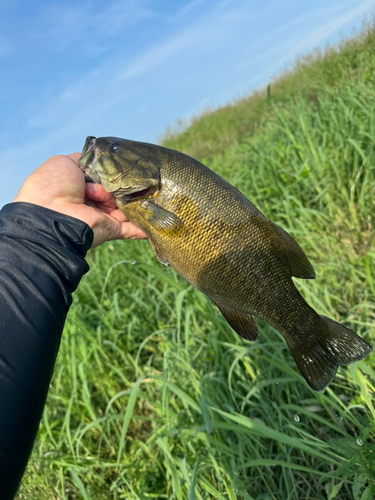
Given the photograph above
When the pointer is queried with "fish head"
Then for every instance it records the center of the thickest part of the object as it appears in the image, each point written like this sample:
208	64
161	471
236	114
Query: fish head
127	169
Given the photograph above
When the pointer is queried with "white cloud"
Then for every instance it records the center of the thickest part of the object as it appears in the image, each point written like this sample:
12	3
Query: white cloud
333	25
185	10
64	24
290	42
103	88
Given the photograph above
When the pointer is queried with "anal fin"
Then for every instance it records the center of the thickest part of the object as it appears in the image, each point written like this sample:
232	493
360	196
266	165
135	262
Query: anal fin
243	324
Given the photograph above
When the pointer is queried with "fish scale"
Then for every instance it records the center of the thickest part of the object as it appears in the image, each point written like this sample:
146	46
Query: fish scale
213	236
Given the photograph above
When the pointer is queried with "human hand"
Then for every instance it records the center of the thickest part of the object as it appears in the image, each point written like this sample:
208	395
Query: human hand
59	185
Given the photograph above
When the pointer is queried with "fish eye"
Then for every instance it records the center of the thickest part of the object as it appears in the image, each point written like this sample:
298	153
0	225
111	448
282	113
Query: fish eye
114	147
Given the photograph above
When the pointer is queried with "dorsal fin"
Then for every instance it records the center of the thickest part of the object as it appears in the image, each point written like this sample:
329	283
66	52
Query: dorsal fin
299	264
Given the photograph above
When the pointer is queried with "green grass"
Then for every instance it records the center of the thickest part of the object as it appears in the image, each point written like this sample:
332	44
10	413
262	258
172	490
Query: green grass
154	396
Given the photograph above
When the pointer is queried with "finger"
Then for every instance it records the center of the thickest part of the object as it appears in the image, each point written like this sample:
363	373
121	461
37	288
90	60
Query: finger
117	214
130	231
75	157
90	203
111	212
103	201
108	228
97	192
121	230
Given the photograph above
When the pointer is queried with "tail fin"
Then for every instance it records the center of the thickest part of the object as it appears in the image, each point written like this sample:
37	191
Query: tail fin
337	346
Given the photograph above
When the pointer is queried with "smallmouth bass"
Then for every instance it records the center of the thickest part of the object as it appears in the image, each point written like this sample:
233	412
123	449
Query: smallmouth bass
212	235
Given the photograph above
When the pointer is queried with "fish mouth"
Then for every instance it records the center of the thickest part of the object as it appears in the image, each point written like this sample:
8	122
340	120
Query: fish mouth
136	195
89	144
89	156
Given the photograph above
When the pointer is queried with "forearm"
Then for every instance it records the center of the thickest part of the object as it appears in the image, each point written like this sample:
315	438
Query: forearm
41	263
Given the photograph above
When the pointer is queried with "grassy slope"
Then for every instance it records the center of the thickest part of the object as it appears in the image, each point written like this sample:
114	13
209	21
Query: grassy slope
154	396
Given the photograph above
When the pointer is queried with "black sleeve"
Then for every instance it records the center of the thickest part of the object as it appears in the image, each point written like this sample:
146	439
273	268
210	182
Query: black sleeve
41	263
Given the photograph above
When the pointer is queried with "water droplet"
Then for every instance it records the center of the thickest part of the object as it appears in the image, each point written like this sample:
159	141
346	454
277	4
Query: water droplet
296	418
359	442
277	383
133	262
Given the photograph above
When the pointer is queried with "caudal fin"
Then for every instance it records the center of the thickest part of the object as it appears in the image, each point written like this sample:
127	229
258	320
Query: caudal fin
339	346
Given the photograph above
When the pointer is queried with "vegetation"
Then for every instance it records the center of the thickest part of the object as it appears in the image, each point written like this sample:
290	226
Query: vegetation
154	396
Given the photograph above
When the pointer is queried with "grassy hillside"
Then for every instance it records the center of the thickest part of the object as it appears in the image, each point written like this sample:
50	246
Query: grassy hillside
154	396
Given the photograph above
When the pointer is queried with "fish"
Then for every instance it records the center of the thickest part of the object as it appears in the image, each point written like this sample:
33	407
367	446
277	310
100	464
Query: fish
216	239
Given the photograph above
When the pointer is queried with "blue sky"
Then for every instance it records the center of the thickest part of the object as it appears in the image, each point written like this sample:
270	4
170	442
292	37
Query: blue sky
132	68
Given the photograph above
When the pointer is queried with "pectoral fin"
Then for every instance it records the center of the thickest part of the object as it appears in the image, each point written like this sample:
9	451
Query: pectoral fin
162	218
158	253
243	324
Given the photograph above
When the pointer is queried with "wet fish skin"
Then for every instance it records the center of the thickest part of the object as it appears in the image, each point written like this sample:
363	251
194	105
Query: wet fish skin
222	245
